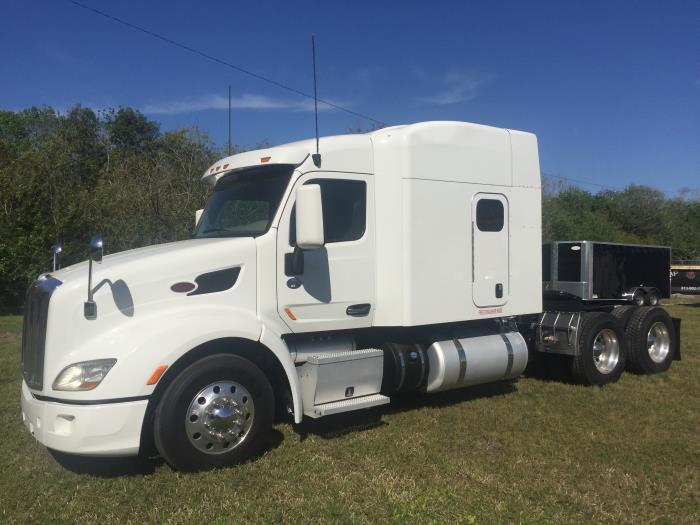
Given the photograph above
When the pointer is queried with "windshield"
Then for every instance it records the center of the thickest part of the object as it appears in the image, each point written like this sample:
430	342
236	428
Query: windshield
244	202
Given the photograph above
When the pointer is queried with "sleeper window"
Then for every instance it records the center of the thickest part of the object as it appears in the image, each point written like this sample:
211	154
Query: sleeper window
489	215
344	210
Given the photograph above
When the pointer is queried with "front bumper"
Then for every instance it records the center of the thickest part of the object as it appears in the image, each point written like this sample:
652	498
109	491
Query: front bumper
112	429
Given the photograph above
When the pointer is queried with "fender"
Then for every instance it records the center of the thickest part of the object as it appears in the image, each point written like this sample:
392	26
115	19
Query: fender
276	344
244	326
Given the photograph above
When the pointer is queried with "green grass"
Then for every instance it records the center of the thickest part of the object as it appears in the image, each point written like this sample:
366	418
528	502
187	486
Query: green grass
532	451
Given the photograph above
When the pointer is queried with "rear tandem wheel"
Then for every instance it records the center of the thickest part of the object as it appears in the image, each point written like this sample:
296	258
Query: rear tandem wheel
651	340
601	344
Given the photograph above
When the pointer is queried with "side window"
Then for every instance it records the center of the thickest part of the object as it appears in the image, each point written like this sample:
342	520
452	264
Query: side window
344	210
489	215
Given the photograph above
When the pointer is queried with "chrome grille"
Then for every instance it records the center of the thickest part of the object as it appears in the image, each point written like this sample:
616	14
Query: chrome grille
36	308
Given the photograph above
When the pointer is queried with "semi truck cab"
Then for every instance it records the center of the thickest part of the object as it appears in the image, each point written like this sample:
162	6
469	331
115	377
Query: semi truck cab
315	283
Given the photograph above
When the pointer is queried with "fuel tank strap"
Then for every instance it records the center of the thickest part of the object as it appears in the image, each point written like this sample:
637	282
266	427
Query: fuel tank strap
462	360
509	348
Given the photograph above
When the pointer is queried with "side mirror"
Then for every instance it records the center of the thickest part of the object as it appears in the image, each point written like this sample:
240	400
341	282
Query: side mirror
56	250
197	216
309	217
96	248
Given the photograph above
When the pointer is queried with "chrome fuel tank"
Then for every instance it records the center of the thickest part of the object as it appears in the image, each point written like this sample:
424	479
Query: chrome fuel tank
460	362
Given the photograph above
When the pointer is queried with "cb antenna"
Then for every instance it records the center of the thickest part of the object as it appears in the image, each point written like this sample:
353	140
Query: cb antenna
229	119
317	156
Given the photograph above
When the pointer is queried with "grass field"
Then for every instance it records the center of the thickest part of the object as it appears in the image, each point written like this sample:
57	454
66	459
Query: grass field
531	451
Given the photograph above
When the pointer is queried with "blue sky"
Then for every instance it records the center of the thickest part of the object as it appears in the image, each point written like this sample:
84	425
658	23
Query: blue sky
612	89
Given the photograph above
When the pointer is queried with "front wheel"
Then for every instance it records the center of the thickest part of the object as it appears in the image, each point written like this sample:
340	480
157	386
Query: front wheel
601	349
217	412
638	298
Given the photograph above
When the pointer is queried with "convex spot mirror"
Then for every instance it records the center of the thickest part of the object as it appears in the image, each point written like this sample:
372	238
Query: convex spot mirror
56	251
309	217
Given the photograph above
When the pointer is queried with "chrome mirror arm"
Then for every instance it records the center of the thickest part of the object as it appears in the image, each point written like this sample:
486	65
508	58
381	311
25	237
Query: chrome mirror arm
96	253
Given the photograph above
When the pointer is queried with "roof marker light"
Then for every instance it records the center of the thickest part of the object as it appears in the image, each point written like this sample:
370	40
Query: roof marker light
225	166
263	160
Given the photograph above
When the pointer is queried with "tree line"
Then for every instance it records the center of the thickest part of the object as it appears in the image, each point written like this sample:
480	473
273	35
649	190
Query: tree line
64	176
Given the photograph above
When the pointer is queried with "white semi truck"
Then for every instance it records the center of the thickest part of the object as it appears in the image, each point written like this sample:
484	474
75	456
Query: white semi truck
317	282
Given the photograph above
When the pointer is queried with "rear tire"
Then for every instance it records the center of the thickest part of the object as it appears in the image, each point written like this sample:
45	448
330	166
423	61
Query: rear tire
623	314
601	355
651	340
216	413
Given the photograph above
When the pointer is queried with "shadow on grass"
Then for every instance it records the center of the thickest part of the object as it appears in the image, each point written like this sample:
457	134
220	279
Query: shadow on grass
133	466
551	368
106	467
330	427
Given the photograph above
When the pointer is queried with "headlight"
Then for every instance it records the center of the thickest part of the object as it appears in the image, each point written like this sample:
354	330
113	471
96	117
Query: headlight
85	375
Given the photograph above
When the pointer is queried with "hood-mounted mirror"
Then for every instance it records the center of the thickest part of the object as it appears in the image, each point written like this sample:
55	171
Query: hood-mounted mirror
56	251
96	248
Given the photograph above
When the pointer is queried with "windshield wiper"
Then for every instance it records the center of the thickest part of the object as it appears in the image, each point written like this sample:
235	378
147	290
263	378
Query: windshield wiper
216	230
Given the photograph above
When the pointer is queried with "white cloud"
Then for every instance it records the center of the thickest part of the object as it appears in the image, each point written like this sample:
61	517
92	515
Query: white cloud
245	101
458	86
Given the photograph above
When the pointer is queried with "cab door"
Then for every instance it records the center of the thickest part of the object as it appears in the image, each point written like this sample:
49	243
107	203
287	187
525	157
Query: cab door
490	251
336	289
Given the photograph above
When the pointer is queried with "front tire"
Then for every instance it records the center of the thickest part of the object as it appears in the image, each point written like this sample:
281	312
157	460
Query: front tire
651	340
601	352
216	413
639	298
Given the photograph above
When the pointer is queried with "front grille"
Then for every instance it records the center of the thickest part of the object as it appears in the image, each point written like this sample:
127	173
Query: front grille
36	309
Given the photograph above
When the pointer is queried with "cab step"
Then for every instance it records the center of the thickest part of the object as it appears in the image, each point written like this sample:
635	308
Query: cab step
346	405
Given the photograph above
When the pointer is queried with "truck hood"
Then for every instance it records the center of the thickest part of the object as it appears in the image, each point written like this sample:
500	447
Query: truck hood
136	278
157	254
136	300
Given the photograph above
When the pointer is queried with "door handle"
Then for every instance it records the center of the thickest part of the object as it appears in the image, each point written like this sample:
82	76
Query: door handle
358	310
499	290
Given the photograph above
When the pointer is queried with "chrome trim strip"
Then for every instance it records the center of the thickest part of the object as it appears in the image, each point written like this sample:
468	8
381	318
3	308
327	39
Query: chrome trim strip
89	401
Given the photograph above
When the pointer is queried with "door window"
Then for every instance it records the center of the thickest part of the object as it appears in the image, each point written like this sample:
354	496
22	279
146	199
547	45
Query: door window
344	210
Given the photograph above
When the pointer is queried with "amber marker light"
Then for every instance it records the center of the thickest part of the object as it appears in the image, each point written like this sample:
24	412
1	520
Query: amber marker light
263	160
290	314
156	375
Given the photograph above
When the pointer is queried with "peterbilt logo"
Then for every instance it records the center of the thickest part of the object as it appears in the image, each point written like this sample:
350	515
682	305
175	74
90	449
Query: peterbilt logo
690	275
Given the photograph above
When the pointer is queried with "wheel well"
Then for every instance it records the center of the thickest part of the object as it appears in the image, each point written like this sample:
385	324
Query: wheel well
254	351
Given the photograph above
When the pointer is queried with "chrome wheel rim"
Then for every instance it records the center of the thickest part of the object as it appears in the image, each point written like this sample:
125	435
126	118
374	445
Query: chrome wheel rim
606	351
658	342
219	417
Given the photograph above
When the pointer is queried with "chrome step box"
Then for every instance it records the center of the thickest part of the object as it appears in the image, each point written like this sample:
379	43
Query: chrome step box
341	381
